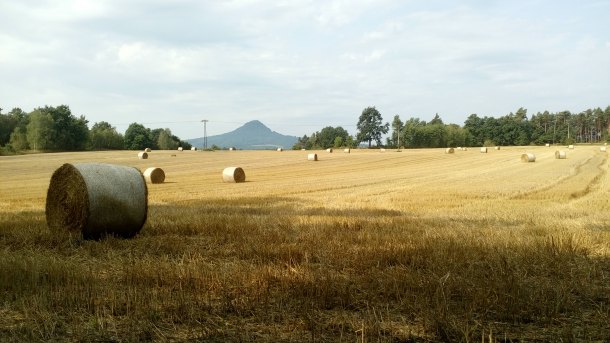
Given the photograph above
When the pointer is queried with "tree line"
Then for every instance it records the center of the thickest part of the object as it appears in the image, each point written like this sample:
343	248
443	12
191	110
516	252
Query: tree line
57	129
589	126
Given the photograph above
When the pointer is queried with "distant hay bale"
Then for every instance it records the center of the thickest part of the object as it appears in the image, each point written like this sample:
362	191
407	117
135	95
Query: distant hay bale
464	149
528	157
231	149
280	149
497	148
449	151
484	150
312	157
97	199
329	150
602	148
560	155
147	150
180	149
547	145
303	149
142	155
154	175
172	155
459	148
382	150
347	151
571	147
193	148
233	174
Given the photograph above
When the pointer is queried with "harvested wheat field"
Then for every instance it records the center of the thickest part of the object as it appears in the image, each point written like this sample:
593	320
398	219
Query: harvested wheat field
411	246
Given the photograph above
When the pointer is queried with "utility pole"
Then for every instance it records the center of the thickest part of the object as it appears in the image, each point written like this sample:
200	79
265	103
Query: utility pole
205	134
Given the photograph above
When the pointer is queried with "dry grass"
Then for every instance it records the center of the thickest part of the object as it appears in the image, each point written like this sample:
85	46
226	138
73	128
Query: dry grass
417	246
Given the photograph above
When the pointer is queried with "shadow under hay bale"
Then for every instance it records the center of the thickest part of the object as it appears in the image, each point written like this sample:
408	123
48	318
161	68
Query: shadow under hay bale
154	175
96	200
142	155
528	157
233	174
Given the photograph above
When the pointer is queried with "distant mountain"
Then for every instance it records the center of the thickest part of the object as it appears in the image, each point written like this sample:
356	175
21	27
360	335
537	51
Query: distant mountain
253	135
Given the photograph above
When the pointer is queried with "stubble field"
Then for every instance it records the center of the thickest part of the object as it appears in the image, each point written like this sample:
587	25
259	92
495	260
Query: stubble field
411	246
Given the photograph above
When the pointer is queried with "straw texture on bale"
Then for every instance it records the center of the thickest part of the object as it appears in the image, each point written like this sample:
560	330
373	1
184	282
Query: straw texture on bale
97	199
147	150
180	149
347	151
233	174
154	175
560	155
570	146
312	157
528	157
142	155
602	149
449	151
329	150
484	150
193	148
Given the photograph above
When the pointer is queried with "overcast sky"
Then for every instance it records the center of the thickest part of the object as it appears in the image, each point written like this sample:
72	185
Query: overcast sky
301	65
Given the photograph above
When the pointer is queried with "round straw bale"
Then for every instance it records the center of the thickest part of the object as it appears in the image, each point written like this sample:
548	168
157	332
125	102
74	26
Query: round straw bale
484	150
602	148
312	157
97	199
570	146
464	149
280	149
329	150
231	149
154	175
193	148
528	157
560	155
459	148
449	151
233	174
497	148
347	151
180	148
142	155
547	145
382	150
147	150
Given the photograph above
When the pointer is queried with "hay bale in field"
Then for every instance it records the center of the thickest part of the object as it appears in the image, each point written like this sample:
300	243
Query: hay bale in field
459	148
280	149
483	150
347	151
497	148
233	174
154	175
560	155
231	149
142	155
602	148
571	147
449	151
464	149
172	155
147	150
382	150
528	157
180	149
329	150
97	199
547	145
312	157
193	148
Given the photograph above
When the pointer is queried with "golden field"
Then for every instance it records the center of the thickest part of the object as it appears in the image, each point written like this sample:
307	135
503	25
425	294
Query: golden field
410	246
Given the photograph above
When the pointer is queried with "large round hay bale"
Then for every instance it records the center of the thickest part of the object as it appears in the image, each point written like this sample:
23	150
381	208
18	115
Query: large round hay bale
347	151
329	150
97	199
193	148
147	150
560	155
484	150
449	151
528	157
570	146
602	148
312	157
154	175
142	155
180	148
233	174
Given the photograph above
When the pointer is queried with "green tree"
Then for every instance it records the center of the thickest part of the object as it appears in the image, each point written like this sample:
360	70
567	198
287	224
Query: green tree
40	131
338	142
69	132
104	136
395	139
19	140
8	122
370	126
166	141
138	137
